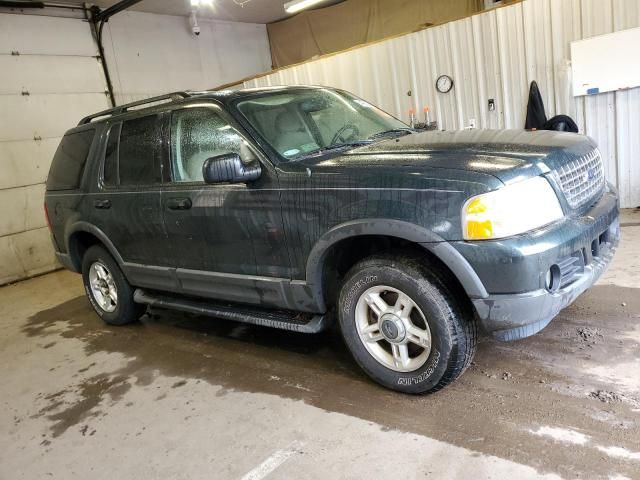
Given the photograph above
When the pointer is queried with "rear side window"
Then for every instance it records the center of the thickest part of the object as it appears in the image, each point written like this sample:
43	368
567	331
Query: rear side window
69	161
140	151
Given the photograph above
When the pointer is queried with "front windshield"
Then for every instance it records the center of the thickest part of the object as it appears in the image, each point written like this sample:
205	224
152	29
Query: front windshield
310	121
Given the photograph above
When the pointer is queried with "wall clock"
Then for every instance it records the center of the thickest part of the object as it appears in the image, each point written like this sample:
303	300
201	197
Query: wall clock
444	83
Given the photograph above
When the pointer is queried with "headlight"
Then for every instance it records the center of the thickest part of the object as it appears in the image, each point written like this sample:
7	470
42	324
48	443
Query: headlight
511	210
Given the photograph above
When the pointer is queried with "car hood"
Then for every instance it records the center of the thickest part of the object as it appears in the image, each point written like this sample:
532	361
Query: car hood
509	155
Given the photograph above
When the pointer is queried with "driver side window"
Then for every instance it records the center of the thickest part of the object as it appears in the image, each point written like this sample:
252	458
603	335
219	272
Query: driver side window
198	134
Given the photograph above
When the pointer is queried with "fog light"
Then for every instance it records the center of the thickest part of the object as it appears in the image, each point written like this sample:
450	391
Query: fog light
552	278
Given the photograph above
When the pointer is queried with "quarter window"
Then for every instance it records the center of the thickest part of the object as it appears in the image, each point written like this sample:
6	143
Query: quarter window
69	160
198	134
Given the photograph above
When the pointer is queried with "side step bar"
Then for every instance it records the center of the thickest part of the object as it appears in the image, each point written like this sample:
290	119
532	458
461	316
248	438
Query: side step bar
282	319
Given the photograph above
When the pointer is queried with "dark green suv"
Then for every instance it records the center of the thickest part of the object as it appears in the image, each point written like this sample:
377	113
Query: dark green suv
289	206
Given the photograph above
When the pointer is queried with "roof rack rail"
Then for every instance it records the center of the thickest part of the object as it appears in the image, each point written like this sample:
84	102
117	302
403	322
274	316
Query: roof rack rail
172	97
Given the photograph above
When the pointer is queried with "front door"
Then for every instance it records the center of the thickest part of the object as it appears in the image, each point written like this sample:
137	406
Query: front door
227	240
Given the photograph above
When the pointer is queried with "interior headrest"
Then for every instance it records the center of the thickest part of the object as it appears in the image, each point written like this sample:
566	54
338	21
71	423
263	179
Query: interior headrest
287	122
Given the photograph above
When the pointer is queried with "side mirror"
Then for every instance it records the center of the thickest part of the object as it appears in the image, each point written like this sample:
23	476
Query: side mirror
228	168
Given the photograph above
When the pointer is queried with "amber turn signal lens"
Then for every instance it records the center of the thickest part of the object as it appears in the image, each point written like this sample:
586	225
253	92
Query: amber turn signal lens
479	230
476	206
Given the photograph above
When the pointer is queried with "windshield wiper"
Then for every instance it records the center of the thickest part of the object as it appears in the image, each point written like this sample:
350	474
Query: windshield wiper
357	143
338	146
393	131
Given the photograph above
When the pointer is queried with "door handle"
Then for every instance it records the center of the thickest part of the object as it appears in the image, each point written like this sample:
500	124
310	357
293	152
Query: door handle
103	204
179	203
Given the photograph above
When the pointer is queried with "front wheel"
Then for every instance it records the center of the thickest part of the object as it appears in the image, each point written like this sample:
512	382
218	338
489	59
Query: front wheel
404	326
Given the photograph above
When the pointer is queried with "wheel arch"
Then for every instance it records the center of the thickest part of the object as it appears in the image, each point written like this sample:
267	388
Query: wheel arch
81	236
414	236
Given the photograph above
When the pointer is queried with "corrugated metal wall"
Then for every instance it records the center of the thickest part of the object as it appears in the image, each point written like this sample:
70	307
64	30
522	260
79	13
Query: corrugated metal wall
496	55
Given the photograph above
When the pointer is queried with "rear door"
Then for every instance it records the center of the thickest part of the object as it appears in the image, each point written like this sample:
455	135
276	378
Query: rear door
127	205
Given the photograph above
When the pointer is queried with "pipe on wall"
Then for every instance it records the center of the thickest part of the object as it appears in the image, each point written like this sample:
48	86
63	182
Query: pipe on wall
96	28
20	4
98	18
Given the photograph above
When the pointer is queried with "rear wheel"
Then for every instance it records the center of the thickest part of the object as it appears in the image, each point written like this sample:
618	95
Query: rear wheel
107	288
404	326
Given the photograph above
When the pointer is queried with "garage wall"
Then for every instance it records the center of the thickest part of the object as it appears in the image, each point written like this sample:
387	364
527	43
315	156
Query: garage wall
496	55
49	81
151	54
50	78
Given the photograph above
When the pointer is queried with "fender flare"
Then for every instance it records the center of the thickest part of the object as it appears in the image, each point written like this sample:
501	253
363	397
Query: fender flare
96	232
427	239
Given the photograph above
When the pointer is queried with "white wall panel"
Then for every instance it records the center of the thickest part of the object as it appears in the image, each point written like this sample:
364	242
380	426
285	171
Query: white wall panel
496	54
36	74
465	70
40	35
513	65
487	59
538	52
34	250
628	145
25	162
349	73
26	254
24	209
439	47
45	116
50	78
11	266
565	28
422	90
599	110
151	54
626	14
50	82
371	83
397	63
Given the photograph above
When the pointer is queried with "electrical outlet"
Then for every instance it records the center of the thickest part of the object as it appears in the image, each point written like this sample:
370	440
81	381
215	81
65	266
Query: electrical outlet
472	123
492	105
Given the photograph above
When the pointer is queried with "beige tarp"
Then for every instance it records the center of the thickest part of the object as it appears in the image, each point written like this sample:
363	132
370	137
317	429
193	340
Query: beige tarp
353	22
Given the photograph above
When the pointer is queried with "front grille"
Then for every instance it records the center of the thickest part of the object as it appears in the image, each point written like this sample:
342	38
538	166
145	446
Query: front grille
582	178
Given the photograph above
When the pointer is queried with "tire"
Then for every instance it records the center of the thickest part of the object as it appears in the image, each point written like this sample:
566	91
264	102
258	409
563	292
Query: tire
124	310
440	331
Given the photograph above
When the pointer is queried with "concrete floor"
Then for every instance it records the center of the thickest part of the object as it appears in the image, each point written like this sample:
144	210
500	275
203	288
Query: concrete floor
186	397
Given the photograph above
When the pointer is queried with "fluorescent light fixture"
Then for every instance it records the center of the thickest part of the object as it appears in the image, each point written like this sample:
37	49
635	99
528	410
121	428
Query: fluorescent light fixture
297	5
202	3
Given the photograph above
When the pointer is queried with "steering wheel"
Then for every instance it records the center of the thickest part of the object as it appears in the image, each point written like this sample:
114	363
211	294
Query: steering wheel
340	134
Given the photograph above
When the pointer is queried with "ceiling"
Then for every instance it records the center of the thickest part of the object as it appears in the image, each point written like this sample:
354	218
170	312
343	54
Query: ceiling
253	11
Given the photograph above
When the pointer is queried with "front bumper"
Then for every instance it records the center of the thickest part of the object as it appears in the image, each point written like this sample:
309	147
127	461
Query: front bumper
589	240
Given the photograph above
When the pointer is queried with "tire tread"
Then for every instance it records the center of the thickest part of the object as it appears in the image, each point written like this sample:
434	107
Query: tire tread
127	311
459	315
